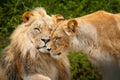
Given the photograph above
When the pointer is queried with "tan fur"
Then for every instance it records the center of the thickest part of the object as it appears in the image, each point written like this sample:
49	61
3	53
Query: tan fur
26	57
97	35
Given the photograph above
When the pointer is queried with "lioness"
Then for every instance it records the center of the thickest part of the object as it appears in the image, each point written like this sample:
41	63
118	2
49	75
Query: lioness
23	59
97	35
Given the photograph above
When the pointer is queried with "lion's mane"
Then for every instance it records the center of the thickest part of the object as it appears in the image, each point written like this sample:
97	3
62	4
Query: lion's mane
20	58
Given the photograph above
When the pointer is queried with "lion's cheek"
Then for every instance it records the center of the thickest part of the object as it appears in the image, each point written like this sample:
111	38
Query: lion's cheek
41	43
38	44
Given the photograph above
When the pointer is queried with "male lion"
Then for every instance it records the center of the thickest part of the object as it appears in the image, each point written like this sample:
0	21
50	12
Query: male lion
97	35
23	59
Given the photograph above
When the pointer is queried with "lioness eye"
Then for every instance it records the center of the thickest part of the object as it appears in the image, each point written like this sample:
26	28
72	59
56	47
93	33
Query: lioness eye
37	30
56	39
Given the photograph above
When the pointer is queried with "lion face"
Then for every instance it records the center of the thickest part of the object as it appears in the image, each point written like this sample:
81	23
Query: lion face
62	36
39	34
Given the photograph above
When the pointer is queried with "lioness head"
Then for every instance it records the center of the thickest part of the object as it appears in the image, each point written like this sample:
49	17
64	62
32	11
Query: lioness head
61	36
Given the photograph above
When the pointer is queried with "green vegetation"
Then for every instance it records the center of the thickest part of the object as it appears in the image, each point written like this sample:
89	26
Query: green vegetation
12	10
81	67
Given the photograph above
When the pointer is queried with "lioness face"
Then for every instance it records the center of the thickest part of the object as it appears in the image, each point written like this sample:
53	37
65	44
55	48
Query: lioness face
62	36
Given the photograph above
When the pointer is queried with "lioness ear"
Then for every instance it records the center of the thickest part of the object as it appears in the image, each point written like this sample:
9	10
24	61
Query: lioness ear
57	17
72	27
26	16
41	11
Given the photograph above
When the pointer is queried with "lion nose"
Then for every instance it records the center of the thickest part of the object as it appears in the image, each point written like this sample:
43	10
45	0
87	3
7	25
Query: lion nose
45	40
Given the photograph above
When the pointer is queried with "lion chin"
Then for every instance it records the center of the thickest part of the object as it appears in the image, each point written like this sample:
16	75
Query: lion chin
23	58
43	50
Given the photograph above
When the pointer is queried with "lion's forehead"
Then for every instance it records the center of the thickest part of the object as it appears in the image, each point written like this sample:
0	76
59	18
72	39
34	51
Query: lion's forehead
42	24
43	21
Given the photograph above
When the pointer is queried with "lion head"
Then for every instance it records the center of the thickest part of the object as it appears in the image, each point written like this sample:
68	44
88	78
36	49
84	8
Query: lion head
34	33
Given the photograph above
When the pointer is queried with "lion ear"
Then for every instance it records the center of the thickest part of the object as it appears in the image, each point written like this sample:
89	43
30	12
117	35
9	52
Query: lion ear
26	16
58	17
72	27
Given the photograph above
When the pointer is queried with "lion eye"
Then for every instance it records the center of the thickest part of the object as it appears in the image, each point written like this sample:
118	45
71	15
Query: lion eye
50	29
37	30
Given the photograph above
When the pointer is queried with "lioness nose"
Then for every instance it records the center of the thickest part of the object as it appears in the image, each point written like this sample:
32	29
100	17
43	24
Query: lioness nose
49	49
45	40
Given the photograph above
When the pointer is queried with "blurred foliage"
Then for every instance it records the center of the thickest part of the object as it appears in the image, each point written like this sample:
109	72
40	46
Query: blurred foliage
81	67
12	10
